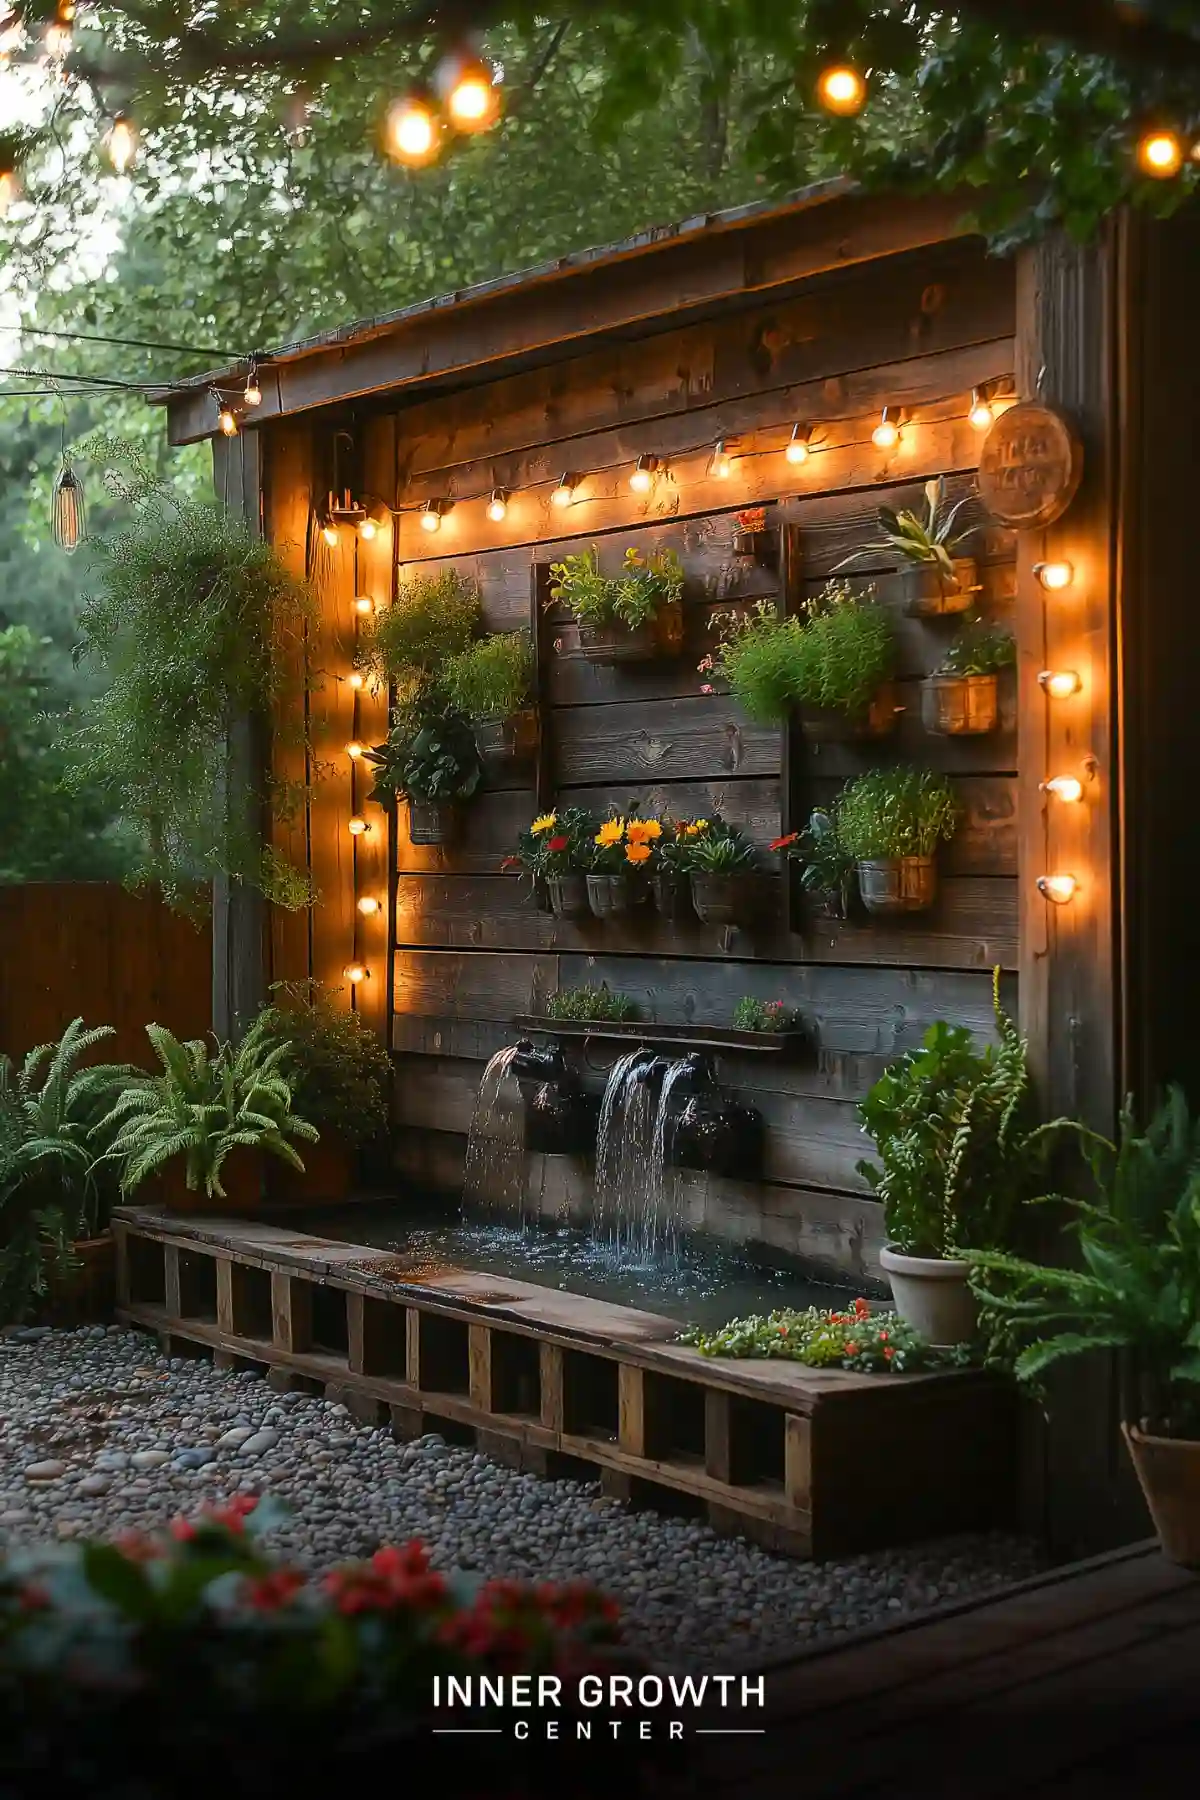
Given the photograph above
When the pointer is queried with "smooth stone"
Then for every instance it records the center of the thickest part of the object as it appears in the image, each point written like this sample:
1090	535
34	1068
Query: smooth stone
49	1470
150	1459
15	1515
94	1484
195	1459
30	1334
112	1461
234	1438
261	1440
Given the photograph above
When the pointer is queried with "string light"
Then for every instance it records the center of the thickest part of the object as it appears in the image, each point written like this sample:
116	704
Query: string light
412	132
564	493
356	680
841	90
355	972
355	749
1058	889
357	826
982	414
720	464
886	434
368	906
1067	788
1060	684
644	471
252	396
227	420
797	447
1055	576
1160	154
431	515
367	530
10	189
122	143
497	508
329	532
468	88
364	606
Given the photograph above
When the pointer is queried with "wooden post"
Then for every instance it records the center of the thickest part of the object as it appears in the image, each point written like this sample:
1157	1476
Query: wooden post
173	1300
291	1314
551	1358
718	1448
797	1462
479	1354
225	1320
631	1391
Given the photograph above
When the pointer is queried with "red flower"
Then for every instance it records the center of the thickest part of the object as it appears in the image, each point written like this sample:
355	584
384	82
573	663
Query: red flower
558	843
270	1592
182	1529
783	842
889	1353
851	1349
510	862
862	1310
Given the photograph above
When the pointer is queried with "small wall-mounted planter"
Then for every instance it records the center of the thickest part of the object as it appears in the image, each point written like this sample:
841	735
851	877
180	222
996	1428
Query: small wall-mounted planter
878	721
433	821
672	897
929	594
960	705
722	899
662	636
567	896
610	896
898	884
718	1137
830	906
501	742
760	547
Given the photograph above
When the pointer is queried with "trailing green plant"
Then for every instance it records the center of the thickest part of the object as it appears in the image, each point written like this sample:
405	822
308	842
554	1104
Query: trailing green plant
979	649
556	843
492	678
764	1015
590	1003
895	812
432	618
847	650
721	850
633	598
1138	1289
822	1338
826	866
927	540
960	1150
201	1106
759	654
52	1190
431	757
195	624
336	1065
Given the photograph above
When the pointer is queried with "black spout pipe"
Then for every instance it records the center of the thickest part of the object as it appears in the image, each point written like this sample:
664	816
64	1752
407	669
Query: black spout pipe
539	1062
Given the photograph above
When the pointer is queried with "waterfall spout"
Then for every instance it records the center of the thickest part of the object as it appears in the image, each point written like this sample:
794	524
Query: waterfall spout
494	1174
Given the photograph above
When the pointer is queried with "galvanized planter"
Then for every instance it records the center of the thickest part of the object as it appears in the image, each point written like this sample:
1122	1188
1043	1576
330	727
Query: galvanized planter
722	899
662	636
609	896
568	896
928	594
960	705
898	884
501	742
433	821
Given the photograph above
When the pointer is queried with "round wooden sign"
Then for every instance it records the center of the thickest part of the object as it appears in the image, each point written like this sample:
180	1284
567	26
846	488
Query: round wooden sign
1030	466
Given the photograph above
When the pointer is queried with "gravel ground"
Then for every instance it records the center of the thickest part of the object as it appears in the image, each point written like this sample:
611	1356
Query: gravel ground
99	1433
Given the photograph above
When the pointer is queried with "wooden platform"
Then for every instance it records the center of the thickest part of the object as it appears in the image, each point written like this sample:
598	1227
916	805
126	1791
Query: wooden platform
1082	1685
814	1462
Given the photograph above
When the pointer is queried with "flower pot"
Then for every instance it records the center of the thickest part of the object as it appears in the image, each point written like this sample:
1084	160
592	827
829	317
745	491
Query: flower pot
932	1295
432	821
568	896
898	884
828	904
760	546
721	899
330	1170
85	1294
1169	1472
928	594
960	705
661	636
672	896
609	895
879	720
501	742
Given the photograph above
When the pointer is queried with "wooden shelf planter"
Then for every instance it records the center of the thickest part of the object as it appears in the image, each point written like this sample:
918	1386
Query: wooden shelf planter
693	1037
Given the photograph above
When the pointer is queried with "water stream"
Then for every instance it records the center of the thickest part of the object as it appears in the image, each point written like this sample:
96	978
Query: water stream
663	1204
494	1172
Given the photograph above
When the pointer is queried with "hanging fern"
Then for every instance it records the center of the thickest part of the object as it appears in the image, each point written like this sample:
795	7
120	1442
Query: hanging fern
193	621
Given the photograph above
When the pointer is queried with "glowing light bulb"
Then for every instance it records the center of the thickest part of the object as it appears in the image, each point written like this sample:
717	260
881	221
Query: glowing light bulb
981	415
1054	576
497	508
431	516
357	826
797	447
1058	889
58	41
329	532
1060	684
122	143
367	530
10	189
252	396
720	465
1160	153
473	103
227	421
642	479
411	136
886	434
564	493
1068	788
356	680
368	906
841	90
364	606
355	749
355	972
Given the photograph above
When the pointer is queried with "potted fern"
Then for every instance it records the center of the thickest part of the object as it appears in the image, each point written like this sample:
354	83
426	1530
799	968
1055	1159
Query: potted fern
961	698
936	578
430	758
490	684
960	1152
891	822
631	617
1136	1291
721	866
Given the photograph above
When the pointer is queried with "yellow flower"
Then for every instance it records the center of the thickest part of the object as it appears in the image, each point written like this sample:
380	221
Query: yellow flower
643	831
696	827
637	853
546	822
611	832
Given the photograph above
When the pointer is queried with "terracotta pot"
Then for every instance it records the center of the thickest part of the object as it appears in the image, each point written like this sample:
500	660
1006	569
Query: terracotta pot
662	636
929	595
330	1170
960	705
568	896
898	884
672	896
878	721
501	742
1169	1472
433	821
609	896
87	1293
722	899
932	1295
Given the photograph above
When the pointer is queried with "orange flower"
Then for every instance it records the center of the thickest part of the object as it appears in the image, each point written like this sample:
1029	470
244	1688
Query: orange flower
611	832
643	831
637	853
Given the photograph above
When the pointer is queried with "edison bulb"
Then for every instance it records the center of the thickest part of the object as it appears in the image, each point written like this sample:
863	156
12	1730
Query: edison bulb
1054	576
642	479
886	434
227	421
330	535
1067	788
720	464
356	680
122	145
497	506
842	90
355	972
412	131
564	493
1160	154
357	825
368	906
981	415
253	394
367	530
364	606
473	101
1058	889
431	518
1060	684
355	749
797	447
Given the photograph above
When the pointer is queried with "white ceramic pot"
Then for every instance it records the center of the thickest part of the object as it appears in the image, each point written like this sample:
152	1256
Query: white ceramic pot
932	1295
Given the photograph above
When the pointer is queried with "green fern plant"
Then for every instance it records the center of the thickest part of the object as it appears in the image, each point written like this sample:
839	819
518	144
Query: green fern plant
202	1105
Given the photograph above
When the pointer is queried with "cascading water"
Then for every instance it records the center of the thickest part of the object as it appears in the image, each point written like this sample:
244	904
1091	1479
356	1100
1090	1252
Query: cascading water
663	1213
618	1151
494	1174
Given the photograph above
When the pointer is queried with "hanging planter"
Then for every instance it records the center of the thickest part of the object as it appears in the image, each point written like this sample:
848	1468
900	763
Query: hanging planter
934	579
960	705
491	683
752	540
502	743
890	821
672	896
635	616
568	896
878	721
433	821
930	591
659	637
610	896
722	899
898	884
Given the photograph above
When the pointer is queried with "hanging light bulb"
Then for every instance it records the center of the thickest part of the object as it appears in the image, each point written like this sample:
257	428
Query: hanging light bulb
886	434
1054	576
122	145
368	906
1160	154
368	529
841	90
720	465
329	533
357	826
68	519
431	516
1058	889
227	421
1060	684
797	445
468	88
364	606
564	493
356	680
497	508
355	749
252	395
644	471
355	972
412	130
1068	788
981	415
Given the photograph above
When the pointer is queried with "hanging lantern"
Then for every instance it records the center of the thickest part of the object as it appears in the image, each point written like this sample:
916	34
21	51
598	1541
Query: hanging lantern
67	516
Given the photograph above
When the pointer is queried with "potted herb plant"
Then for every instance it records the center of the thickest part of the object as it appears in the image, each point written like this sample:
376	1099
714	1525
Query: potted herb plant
1136	1293
591	1004
669	869
960	1152
765	1015
751	538
555	852
961	697
758	654
490	683
339	1072
827	870
434	617
847	659
621	849
631	617
891	822
721	866
429	758
936	579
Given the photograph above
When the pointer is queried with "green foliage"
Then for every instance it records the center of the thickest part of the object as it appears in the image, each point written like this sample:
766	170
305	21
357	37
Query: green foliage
633	598
556	843
336	1066
759	655
764	1015
202	1105
826	866
955	1131
847	650
979	649
432	759
879	1343
721	850
433	618
929	539
590	1003
191	623
1138	1291
51	1191
492	678
895	812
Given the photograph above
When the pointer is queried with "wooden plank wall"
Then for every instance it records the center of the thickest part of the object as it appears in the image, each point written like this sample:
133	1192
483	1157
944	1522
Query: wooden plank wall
470	950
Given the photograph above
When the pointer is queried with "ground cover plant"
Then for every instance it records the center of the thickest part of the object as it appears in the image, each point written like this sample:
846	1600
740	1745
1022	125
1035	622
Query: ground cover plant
878	1343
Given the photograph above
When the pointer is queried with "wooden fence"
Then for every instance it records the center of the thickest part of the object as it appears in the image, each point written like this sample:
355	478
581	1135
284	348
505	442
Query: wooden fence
92	950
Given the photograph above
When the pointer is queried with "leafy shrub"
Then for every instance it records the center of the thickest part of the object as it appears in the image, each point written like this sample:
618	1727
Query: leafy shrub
432	618
895	812
759	656
633	598
590	1003
764	1015
336	1065
491	679
979	649
847	651
822	1338
429	756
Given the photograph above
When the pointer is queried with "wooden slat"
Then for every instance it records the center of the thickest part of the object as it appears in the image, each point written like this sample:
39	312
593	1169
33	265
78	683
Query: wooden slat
685	739
291	1315
631	1403
798	1461
479	1353
375	560
718	1458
